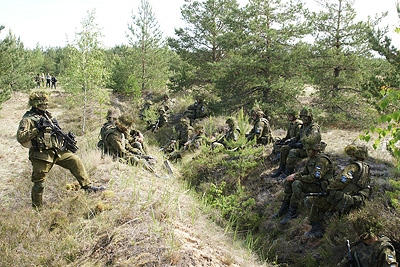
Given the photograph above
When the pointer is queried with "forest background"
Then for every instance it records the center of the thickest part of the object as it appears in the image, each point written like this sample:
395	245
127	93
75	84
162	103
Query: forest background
235	57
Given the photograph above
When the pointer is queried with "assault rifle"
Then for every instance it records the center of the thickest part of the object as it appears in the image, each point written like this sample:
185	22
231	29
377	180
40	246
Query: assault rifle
68	140
350	256
319	194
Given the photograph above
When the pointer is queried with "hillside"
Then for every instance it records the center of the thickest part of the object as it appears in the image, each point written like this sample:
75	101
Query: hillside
140	220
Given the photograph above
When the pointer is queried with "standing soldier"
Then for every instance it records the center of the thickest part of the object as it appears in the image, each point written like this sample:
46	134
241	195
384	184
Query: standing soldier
349	190
45	148
292	131
261	130
291	153
314	178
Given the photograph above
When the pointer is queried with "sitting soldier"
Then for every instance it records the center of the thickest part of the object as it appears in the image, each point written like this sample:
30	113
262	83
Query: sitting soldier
314	178
370	249
349	190
198	110
292	131
261	130
183	131
231	135
294	151
118	146
193	144
112	116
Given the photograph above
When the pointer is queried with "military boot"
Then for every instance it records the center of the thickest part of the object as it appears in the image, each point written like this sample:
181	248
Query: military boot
316	230
292	214
37	195
282	210
92	188
278	171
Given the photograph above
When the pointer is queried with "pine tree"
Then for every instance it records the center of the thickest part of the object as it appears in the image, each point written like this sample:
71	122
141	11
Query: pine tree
149	57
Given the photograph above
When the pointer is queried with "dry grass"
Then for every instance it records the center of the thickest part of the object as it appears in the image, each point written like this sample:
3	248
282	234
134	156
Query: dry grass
140	220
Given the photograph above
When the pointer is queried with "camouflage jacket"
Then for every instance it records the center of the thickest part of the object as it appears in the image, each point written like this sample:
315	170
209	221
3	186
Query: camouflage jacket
43	145
115	143
293	129
261	131
307	131
318	170
379	254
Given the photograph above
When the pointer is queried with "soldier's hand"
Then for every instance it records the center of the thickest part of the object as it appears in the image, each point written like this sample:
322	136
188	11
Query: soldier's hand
291	177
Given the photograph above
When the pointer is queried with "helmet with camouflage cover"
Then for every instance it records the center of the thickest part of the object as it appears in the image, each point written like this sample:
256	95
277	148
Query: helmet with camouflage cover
38	98
125	121
292	112
113	114
230	121
314	142
358	152
306	112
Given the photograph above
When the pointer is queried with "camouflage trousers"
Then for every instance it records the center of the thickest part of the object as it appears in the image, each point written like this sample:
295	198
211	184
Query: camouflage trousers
290	156
293	191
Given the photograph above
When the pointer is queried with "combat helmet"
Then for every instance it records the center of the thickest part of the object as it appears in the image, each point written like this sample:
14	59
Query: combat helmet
230	121
292	112
112	114
359	152
314	142
38	98
306	112
125	121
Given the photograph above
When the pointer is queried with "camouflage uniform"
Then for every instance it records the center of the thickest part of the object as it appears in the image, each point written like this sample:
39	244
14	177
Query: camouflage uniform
184	131
313	179
349	189
231	135
44	149
164	111
112	116
292	131
379	254
261	130
290	154
191	145
198	110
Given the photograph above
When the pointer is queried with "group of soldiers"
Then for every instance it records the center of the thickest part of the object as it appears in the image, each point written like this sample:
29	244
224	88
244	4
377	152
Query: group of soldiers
317	182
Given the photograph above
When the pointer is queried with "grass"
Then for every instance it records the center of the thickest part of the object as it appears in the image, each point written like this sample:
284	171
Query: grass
140	219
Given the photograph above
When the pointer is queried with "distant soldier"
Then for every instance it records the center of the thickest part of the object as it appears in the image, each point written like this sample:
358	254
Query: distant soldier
231	135
261	130
193	144
348	190
46	148
292	131
164	111
112	117
183	131
147	105
198	110
291	153
314	178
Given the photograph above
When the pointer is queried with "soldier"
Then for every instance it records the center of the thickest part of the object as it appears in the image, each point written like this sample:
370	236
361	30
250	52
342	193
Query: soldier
117	144
183	131
314	178
191	145
112	116
261	130
198	110
291	153
231	135
45	148
292	131
370	249
164	111
348	190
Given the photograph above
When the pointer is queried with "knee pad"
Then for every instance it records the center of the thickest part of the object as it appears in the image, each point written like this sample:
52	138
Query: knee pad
38	187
